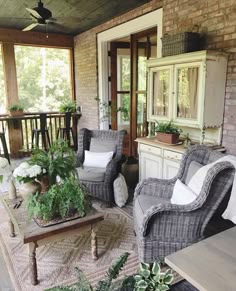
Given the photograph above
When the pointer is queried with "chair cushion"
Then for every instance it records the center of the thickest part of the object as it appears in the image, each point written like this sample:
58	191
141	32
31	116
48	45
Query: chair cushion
182	194
99	160
143	203
120	191
91	174
192	169
99	145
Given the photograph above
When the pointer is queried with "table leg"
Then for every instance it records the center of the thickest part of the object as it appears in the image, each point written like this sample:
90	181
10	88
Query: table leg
33	263
12	229
94	245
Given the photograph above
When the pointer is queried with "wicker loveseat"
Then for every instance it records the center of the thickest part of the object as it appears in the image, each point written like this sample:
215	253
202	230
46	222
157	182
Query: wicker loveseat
99	181
163	228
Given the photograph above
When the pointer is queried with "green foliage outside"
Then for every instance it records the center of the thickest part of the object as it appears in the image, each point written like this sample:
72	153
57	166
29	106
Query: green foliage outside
148	278
43	76
61	200
167	127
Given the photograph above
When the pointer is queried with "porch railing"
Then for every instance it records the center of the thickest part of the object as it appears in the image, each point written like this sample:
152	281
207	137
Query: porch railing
18	130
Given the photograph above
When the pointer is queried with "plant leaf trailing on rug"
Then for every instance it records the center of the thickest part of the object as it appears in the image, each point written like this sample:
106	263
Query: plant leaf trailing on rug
103	285
148	278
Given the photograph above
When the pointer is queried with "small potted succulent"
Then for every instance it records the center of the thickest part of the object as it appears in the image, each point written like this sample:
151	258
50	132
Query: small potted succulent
16	110
167	132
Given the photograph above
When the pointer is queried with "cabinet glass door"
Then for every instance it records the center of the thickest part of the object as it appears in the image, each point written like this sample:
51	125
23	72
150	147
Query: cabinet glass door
161	91
187	92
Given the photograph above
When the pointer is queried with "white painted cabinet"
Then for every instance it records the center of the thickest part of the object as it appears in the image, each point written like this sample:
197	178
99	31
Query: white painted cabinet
170	168
156	160
150	166
188	89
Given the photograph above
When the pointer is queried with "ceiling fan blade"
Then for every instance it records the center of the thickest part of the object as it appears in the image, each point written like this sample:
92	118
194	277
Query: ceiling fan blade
34	13
29	27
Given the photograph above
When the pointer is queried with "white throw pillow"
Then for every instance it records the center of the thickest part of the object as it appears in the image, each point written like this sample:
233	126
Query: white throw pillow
97	160
182	195
120	191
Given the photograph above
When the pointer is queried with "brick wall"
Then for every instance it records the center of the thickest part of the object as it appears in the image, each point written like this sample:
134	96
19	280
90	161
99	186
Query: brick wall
216	18
86	64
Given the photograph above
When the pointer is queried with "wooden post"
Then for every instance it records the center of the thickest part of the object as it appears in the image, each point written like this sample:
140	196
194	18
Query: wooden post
9	65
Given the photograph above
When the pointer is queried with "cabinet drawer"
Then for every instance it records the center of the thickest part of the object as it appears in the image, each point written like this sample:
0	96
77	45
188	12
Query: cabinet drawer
172	155
150	149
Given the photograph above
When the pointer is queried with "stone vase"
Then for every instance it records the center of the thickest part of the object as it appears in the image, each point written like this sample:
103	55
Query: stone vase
26	189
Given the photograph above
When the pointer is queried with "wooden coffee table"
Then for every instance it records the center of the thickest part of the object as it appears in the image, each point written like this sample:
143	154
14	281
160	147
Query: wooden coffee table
35	236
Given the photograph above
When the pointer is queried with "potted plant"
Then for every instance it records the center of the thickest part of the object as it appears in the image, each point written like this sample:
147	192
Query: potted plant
167	132
148	278
16	110
28	175
61	201
58	161
68	106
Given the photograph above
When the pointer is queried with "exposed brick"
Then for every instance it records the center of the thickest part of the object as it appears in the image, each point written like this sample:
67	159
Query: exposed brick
216	18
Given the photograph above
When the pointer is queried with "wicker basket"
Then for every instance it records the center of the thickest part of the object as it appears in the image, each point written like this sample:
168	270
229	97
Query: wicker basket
180	43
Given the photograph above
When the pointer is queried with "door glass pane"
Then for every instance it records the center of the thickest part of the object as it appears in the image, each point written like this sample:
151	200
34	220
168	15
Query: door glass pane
141	115
187	92
123	112
161	91
142	68
123	69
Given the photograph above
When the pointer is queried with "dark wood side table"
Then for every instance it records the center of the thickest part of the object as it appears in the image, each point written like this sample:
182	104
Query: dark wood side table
35	236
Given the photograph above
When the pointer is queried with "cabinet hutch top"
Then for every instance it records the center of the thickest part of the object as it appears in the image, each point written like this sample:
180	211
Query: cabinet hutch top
203	55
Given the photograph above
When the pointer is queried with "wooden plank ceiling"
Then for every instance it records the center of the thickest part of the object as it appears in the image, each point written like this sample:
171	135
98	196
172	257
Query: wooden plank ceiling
68	16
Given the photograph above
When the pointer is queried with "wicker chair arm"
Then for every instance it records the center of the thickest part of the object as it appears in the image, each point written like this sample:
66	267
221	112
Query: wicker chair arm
155	187
112	170
172	211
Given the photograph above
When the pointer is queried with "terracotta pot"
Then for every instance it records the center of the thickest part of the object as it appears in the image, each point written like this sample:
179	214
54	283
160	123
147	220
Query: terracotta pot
16	113
26	189
170	138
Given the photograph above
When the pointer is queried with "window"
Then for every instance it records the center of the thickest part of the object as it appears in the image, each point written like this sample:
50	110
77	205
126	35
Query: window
43	76
2	87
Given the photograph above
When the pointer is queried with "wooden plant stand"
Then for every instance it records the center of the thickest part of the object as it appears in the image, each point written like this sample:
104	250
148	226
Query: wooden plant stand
35	236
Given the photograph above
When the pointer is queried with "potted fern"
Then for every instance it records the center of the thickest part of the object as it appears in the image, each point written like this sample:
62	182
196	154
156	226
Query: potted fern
167	132
16	110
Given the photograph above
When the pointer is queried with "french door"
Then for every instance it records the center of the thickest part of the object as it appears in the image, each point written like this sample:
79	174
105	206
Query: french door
129	85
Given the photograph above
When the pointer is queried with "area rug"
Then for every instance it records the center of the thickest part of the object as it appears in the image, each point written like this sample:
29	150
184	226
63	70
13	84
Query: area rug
57	261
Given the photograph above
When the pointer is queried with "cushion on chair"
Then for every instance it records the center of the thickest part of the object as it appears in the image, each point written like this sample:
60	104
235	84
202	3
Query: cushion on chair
99	160
91	174
99	145
120	191
143	203
192	169
182	194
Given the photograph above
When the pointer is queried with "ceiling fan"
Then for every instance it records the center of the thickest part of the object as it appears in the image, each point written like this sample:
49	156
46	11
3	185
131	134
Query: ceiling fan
40	16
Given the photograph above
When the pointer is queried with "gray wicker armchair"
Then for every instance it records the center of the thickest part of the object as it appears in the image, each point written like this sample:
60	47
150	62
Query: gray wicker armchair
99	181
163	228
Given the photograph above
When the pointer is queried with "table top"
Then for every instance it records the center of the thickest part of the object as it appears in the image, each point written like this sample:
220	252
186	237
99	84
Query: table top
210	264
28	229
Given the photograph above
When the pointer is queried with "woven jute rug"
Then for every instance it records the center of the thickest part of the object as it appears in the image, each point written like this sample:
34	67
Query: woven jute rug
57	261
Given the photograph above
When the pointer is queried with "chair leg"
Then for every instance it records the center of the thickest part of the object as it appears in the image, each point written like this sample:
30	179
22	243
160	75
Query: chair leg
5	150
37	138
48	138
